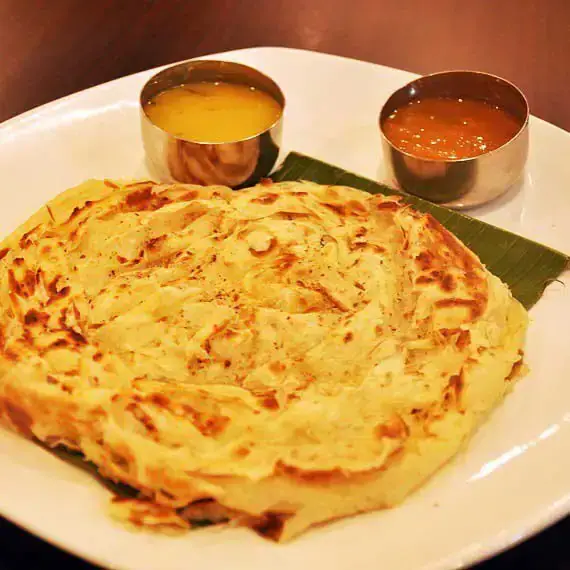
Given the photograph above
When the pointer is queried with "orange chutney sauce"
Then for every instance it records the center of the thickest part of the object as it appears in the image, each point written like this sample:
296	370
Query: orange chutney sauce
441	128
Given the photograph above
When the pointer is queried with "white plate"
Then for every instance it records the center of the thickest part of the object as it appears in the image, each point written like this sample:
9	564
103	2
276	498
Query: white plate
513	479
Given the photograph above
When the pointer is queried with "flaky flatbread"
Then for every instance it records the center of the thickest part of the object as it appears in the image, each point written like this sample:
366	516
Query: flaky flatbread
278	356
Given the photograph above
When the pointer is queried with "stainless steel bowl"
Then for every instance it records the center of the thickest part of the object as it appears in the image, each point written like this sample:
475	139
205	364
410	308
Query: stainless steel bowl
460	183
234	163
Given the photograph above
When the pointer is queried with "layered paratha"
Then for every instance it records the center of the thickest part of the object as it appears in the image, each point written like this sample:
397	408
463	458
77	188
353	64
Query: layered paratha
279	356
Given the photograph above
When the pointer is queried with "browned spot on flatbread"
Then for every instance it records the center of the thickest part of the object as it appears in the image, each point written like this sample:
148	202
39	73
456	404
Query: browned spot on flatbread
311	476
471	278
388	206
63	292
4	252
192	216
25	240
33	317
463	257
515	370
98	356
448	283
475	306
266	199
153	244
78	209
344	209
445	281
330	297
363	245
283	215
144	199
448	333
118	499
277	367
62	319
338	209
425	260
76	337
285	261
424	280
17	416
142	511
50	213
207	424
242	451
11	355
14	284
29	282
269	402
189	196
394	428
159	400
271	524
141	416
54	292
454	390
228	333
323	477
73	235
27	336
463	339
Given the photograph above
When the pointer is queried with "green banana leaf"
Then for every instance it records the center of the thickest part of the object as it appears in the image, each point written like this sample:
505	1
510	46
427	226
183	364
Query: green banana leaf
525	266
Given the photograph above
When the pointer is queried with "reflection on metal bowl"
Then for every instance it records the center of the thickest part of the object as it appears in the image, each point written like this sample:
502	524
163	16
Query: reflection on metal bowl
230	164
438	181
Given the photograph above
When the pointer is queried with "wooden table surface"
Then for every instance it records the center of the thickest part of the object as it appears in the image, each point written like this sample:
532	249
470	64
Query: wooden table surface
51	48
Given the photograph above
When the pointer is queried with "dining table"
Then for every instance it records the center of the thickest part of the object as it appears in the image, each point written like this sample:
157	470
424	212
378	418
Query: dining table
52	48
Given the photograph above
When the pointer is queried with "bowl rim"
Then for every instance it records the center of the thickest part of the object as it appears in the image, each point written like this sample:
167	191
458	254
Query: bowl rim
191	62
523	128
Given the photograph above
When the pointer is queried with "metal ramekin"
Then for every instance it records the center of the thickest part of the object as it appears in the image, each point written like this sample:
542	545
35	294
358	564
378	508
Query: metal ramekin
469	182
233	163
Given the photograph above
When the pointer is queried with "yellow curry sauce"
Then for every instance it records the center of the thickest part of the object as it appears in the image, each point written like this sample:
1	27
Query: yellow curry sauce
213	111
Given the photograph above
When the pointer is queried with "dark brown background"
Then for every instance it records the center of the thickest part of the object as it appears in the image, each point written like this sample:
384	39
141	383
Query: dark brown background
54	47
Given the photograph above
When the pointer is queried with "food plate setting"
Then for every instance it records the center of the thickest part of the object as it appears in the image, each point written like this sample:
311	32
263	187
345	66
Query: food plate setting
277	307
